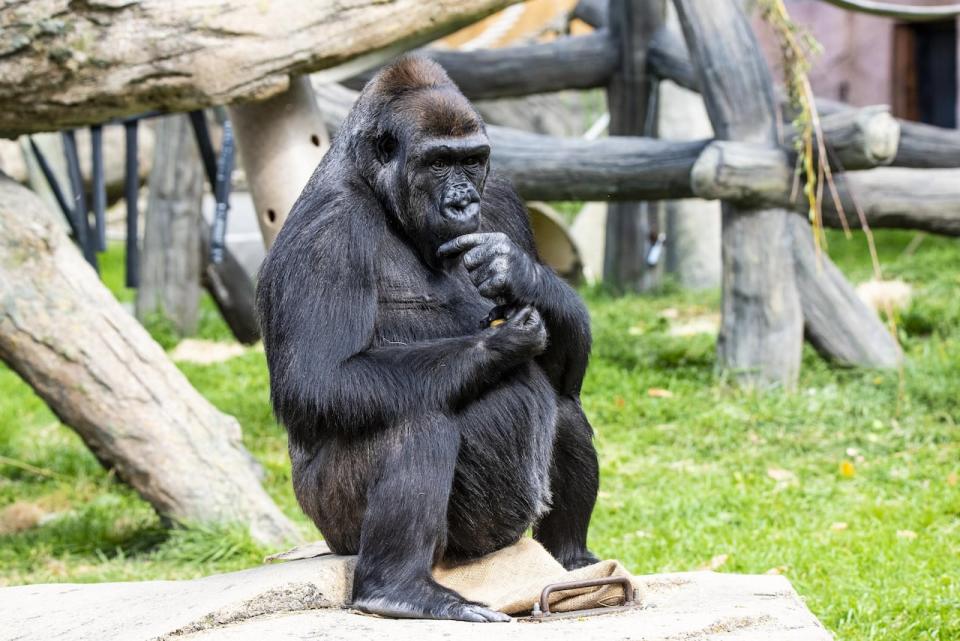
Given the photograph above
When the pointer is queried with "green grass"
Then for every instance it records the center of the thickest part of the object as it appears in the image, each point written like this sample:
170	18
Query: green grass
708	471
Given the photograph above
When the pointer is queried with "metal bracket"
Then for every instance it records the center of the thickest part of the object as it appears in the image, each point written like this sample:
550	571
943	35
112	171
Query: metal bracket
541	610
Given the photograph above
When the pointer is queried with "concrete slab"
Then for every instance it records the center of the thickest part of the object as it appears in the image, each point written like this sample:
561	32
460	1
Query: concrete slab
303	599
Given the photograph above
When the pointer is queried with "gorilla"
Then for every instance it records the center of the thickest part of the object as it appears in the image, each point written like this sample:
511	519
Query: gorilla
426	365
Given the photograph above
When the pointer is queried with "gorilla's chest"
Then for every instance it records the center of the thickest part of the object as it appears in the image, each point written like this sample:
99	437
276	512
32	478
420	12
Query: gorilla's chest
416	303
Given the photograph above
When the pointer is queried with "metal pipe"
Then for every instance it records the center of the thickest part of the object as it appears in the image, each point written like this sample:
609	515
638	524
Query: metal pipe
79	208
131	190
99	195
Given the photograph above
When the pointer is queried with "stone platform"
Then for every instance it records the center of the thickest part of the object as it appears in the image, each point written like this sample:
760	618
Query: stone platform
301	600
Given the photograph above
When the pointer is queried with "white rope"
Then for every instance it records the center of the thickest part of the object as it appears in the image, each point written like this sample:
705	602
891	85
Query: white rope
899	11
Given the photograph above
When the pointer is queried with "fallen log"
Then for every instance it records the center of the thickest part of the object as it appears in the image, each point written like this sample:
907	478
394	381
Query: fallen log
64	64
100	372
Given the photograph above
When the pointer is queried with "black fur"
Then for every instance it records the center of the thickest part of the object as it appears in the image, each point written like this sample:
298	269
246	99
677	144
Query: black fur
416	432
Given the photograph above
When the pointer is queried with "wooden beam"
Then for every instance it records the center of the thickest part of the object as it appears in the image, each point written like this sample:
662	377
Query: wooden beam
761	331
66	64
580	62
921	145
616	168
632	227
593	12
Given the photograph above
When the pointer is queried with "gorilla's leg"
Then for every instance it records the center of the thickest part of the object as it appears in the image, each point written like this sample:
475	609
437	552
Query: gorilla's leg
574	481
404	527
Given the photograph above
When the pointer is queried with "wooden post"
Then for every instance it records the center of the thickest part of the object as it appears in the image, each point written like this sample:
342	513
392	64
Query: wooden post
630	93
281	141
170	260
761	332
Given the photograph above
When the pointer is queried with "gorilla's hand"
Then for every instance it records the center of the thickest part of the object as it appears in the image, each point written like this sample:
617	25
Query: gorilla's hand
496	265
521	337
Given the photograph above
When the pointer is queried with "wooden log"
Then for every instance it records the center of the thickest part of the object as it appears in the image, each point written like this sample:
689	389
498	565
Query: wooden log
100	372
281	141
761	331
890	197
920	145
895	197
170	259
926	146
859	138
593	12
65	64
232	290
836	322
632	227
616	168
580	62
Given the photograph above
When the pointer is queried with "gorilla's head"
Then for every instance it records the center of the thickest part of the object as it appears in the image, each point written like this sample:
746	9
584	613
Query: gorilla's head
423	150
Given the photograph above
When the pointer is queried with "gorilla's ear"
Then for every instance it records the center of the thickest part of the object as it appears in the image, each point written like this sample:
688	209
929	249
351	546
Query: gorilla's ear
386	147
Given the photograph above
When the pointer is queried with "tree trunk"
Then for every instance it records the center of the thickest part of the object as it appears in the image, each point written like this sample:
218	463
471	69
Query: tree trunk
170	259
766	268
632	227
97	368
66	63
761	332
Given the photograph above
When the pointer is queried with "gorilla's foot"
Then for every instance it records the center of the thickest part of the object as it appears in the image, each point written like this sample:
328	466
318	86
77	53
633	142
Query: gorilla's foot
579	559
425	600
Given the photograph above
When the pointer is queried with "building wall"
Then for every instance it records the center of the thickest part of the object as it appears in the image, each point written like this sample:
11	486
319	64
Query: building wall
857	62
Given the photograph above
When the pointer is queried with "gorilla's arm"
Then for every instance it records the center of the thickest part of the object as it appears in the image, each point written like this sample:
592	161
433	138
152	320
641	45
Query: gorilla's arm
317	300
499	272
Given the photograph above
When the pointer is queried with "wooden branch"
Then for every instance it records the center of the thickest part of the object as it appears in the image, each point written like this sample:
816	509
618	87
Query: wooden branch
580	62
836	322
65	64
617	168
926	146
101	373
859	138
593	12
921	199
896	11
920	145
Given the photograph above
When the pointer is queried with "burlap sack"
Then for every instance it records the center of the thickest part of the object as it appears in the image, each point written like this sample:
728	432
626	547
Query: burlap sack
509	580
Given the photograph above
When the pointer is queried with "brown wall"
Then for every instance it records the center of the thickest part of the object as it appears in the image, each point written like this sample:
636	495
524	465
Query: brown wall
858	51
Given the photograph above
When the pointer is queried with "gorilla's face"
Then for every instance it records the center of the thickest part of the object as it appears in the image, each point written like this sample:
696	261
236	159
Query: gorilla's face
446	177
431	161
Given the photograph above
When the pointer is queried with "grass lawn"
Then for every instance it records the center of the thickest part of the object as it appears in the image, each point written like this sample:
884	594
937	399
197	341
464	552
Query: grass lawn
848	486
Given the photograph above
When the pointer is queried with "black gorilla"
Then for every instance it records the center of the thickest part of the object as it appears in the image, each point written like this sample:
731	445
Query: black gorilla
421	424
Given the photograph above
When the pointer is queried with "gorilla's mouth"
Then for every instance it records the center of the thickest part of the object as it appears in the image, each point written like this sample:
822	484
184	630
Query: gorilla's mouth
466	214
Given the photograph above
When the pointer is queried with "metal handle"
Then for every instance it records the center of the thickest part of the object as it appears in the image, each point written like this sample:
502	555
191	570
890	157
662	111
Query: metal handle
628	593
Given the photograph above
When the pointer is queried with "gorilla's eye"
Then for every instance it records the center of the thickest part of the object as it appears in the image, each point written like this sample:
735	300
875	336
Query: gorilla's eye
386	145
472	161
439	164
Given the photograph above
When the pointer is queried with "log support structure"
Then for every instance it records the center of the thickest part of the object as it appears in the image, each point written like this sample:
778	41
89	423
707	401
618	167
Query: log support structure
632	227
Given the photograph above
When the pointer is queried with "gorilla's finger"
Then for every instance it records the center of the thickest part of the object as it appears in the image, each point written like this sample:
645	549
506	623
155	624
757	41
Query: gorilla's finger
461	244
520	315
475	257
